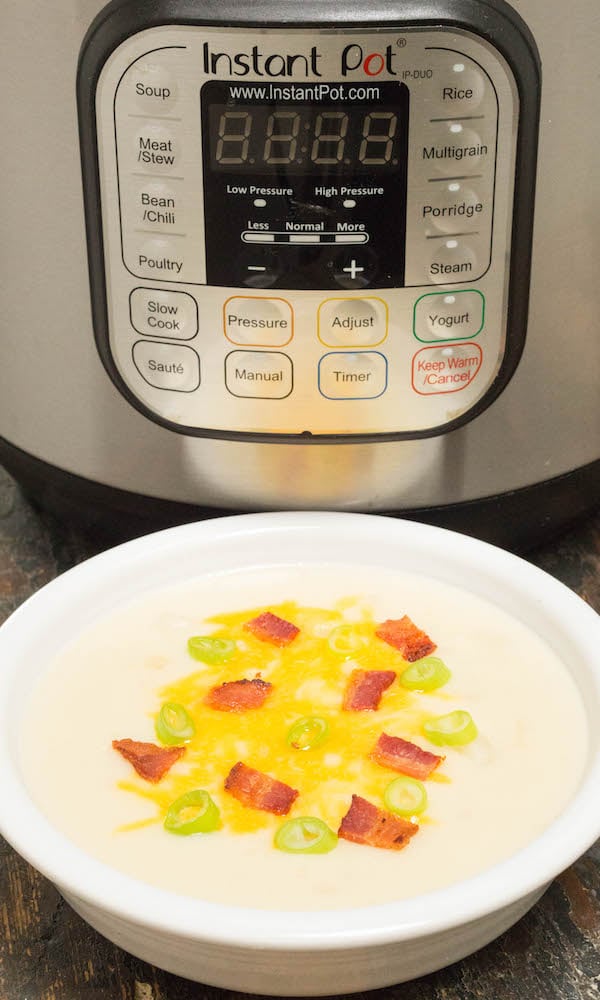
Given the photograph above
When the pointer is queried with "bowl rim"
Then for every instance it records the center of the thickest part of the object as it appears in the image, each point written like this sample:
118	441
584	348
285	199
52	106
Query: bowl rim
93	883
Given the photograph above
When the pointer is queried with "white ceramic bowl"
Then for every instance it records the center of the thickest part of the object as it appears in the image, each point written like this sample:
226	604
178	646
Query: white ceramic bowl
295	953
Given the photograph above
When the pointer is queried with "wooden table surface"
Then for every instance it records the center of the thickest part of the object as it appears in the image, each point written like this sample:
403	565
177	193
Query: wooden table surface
49	953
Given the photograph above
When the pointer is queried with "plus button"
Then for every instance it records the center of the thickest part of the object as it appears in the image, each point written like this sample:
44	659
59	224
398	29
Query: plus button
353	269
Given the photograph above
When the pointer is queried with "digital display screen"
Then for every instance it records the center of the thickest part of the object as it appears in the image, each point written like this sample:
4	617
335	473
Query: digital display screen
299	138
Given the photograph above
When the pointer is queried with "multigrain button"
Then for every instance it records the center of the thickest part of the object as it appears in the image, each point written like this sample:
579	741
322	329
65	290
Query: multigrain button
356	375
356	322
170	315
449	315
259	374
167	366
452	149
258	321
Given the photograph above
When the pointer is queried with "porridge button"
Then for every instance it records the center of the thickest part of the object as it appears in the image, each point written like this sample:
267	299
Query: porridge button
352	322
167	366
258	321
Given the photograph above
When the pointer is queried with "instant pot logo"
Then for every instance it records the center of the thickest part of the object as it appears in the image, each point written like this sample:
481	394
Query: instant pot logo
354	59
254	61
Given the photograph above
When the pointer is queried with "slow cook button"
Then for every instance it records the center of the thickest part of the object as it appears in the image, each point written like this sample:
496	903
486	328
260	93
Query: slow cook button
259	374
356	375
258	321
167	366
352	322
163	313
449	315
445	369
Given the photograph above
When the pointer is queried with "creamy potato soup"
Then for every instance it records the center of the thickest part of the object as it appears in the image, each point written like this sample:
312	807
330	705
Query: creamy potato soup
321	737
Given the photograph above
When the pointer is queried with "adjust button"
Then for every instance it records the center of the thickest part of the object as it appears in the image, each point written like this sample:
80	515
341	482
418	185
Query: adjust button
356	375
449	315
352	322
259	374
167	366
163	314
258	321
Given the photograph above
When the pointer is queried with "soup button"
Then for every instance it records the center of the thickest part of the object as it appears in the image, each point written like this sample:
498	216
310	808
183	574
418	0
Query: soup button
167	366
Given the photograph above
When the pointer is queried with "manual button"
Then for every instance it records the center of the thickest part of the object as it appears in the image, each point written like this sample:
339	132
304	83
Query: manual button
356	322
167	366
258	374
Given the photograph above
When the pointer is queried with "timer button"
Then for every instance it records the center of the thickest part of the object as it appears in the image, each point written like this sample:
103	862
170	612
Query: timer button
356	375
352	322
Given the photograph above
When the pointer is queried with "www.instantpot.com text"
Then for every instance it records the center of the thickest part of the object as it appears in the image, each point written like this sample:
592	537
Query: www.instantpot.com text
303	92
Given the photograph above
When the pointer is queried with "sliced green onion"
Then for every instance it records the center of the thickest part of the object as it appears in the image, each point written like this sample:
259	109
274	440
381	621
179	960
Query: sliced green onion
345	640
425	675
406	796
174	724
194	812
210	650
308	733
305	835
454	730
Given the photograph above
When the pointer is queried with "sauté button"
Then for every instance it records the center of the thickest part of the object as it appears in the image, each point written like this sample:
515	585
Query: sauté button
170	315
352	322
258	321
167	366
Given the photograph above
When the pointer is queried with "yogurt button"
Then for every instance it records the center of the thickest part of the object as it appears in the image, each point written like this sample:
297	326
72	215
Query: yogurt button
454	315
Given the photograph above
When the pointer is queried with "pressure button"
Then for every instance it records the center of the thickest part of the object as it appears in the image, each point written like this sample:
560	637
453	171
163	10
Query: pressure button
258	321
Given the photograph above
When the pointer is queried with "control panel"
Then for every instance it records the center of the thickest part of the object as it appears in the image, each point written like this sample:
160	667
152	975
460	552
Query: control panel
306	232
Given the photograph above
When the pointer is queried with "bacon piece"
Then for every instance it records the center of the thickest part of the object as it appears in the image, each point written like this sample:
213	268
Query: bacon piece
403	756
271	628
365	688
365	823
238	696
403	634
150	761
257	790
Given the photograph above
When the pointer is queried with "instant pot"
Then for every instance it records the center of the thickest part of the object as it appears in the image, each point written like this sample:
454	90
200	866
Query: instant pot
290	254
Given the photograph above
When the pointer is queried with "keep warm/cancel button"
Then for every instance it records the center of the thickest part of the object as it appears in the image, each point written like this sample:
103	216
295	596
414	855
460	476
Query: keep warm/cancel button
445	369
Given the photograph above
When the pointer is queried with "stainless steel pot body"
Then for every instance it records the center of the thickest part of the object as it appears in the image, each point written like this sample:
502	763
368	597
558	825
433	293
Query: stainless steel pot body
58	404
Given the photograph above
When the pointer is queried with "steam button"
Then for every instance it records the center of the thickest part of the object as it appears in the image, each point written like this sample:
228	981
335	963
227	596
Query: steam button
454	261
